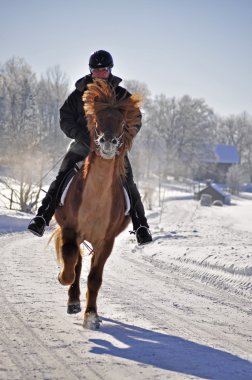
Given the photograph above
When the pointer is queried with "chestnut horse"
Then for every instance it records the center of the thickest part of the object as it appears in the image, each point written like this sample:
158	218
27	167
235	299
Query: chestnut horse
94	207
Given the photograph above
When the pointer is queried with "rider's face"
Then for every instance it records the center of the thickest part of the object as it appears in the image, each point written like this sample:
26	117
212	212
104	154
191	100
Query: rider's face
101	73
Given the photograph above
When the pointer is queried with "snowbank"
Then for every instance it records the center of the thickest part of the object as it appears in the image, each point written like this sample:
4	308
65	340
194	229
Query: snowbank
13	221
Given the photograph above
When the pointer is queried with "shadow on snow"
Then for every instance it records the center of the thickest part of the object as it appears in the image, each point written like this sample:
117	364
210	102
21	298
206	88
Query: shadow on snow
171	353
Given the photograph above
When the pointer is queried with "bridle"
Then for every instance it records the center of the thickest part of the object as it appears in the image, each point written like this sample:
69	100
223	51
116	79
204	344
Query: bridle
99	139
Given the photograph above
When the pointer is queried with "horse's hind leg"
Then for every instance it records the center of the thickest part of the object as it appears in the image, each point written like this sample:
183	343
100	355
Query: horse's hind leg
73	305
70	252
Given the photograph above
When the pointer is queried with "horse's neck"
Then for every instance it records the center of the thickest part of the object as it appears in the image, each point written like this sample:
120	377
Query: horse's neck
102	173
98	212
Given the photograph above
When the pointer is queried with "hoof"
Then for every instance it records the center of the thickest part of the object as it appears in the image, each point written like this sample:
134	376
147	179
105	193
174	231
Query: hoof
91	321
73	308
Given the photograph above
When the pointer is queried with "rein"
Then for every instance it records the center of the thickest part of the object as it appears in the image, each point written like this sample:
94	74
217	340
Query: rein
91	251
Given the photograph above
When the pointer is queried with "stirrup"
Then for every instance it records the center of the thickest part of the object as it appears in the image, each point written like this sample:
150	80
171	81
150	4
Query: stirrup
143	235
37	230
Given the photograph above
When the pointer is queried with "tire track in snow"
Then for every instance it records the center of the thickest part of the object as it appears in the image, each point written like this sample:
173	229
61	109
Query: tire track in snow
162	301
162	306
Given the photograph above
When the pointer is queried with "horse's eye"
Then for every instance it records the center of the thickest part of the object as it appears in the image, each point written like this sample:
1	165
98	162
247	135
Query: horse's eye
114	141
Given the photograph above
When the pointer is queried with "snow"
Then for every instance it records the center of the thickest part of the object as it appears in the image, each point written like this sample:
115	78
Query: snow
179	308
13	221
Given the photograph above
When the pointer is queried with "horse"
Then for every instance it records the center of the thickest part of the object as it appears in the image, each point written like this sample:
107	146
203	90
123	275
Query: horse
94	207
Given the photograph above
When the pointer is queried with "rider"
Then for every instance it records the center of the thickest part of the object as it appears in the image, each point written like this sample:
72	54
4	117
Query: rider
74	124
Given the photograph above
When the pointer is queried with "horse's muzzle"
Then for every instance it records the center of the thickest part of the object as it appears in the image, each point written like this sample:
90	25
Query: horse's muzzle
107	150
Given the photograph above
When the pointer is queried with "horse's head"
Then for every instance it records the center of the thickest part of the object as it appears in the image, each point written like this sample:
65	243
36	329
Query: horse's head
112	122
109	132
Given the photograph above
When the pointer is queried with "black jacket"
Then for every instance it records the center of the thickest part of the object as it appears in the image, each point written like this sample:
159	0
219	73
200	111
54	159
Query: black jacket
72	118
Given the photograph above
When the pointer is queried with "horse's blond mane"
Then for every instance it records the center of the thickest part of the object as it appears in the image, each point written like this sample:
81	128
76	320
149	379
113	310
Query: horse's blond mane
100	96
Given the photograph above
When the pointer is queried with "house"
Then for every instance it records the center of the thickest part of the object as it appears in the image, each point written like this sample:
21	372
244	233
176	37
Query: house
215	192
216	161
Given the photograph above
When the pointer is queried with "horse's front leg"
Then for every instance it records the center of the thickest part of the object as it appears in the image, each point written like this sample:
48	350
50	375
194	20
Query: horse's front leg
73	304
91	319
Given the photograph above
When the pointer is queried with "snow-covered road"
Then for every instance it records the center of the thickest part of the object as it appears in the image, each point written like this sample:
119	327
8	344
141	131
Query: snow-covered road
179	308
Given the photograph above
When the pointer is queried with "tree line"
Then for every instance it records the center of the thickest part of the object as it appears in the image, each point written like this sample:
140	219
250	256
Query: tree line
173	138
31	140
180	133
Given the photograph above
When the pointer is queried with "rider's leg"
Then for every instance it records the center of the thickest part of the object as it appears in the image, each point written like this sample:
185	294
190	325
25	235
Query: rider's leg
139	221
49	203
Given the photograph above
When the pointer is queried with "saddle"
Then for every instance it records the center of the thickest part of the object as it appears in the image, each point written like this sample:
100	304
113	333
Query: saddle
67	180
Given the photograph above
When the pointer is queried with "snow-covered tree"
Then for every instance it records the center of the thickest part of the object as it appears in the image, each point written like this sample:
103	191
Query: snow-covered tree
237	130
25	130
183	126
52	92
235	178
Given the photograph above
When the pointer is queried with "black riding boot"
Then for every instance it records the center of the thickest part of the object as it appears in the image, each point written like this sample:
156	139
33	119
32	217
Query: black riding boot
137	213
139	221
46	210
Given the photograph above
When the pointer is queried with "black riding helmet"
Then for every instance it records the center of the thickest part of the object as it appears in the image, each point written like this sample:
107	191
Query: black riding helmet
100	58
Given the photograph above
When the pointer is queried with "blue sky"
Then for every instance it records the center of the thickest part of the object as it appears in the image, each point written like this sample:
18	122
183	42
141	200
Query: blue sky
196	47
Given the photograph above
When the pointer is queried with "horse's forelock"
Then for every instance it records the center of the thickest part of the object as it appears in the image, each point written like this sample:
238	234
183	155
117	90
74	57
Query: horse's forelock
98	97
98	92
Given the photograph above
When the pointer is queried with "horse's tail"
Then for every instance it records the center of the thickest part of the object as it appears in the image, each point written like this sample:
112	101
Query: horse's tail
57	236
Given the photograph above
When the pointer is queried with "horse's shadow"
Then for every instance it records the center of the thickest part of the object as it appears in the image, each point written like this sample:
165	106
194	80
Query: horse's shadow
170	353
